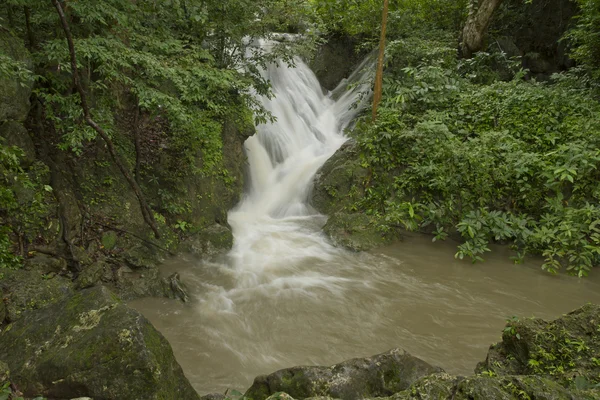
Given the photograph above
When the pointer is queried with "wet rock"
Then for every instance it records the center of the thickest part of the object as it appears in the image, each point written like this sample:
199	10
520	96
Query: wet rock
92	345
340	182
32	289
380	375
336	60
510	388
210	240
140	256
91	275
174	289
46	263
562	349
357	232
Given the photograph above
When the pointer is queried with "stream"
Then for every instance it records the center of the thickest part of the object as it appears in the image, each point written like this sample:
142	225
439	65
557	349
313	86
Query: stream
285	296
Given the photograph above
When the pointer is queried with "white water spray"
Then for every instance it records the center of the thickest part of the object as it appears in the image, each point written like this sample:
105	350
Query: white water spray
274	227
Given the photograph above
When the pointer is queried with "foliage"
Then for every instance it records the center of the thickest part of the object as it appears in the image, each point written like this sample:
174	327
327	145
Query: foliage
23	203
406	17
585	37
511	162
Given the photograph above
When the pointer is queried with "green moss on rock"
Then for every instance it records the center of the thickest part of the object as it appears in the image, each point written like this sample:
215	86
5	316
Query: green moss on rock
92	345
380	375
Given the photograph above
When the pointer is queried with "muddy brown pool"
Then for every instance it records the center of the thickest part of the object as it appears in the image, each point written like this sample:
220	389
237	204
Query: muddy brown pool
413	294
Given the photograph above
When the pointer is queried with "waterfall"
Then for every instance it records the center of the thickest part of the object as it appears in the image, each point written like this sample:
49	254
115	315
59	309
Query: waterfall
275	229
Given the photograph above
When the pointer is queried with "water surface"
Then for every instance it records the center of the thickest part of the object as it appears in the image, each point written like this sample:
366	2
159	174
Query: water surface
413	294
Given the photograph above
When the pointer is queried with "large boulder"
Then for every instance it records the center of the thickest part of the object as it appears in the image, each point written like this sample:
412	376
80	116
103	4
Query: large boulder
92	345
340	182
564	350
34	287
336	60
356	232
380	375
338	186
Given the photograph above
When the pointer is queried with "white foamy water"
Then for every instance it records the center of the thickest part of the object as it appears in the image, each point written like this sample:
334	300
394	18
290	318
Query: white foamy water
274	227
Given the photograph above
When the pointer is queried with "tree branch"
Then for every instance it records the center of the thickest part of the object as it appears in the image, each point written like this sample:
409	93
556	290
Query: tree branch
146	211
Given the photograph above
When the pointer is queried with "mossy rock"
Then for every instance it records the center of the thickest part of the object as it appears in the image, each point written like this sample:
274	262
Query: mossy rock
510	388
340	181
380	375
211	240
92	345
32	289
336	60
91	275
357	232
562	349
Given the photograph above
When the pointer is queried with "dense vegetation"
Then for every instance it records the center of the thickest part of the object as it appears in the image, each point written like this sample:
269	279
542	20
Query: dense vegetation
481	148
184	66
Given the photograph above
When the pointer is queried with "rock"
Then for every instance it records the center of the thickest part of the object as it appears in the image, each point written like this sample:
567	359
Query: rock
340	181
434	386
380	375
91	275
46	264
211	240
174	289
213	396
510	388
336	60
140	256
357	232
92	345
15	134
562	349
32	289
14	97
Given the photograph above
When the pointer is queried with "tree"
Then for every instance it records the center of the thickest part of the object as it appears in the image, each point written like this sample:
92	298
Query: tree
379	74
473	34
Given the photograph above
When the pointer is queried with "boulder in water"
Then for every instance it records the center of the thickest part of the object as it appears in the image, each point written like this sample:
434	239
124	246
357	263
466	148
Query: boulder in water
380	375
92	345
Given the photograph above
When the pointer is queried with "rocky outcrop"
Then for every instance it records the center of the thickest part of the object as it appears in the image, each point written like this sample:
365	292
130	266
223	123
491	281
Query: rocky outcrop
90	344
380	375
536	359
563	350
336	60
338	185
534	31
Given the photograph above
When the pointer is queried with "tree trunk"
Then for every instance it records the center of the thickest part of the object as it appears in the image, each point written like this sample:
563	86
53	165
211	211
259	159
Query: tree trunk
379	74
480	16
146	211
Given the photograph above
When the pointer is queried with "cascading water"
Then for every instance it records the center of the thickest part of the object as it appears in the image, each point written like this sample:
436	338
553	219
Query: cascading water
274	227
284	296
